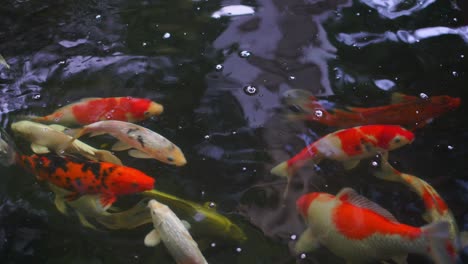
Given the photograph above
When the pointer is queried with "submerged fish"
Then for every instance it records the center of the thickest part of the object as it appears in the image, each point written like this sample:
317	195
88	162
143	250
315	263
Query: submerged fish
436	208
146	143
80	177
7	149
45	138
90	110
169	229
348	146
360	231
3	62
405	110
206	222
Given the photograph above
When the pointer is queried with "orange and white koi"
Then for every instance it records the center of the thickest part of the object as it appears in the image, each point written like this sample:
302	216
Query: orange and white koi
360	231
44	138
90	110
436	207
82	177
145	143
348	146
405	110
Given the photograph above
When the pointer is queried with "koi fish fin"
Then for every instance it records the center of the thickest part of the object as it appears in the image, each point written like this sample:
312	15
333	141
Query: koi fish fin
60	204
84	222
463	237
351	196
95	134
350	164
282	170
104	155
3	62
107	200
59	128
139	154
186	224
307	242
74	133
401	98
39	149
152	239
120	145
441	248
400	259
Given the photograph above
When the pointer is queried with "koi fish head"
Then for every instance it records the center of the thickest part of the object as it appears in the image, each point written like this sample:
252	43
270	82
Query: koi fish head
445	103
176	157
129	181
157	210
143	108
304	202
393	137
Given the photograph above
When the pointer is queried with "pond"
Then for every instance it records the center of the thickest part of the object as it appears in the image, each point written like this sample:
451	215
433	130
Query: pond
221	75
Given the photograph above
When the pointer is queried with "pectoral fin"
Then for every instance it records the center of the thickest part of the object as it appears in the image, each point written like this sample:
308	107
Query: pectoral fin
307	242
186	224
60	204
38	149
119	146
138	154
152	239
84	221
350	164
107	200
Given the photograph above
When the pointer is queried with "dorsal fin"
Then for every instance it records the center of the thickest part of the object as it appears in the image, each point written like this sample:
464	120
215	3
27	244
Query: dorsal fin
401	98
82	100
351	196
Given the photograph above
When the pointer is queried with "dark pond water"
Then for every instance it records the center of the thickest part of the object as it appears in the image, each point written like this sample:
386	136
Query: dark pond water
221	82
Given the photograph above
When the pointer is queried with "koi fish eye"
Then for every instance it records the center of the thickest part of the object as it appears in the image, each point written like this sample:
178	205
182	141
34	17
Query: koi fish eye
147	113
170	159
397	140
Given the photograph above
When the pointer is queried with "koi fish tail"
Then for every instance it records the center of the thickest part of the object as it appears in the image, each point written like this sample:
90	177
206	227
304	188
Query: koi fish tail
387	172
441	248
104	155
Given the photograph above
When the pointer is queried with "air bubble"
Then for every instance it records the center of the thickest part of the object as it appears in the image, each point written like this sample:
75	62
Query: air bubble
450	147
207	136
213	244
303	256
245	54
318	113
455	74
98	17
375	163
166	35
250	90
219	67
212	205
144	44
37	97
292	78
238	250
293	237
423	96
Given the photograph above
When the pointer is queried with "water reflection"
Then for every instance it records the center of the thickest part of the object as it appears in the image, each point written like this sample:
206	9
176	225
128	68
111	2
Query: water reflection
396	8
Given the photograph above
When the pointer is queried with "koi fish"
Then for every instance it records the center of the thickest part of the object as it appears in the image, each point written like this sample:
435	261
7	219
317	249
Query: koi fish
80	177
405	110
145	143
206	222
436	208
7	149
44	138
360	231
348	146
90	110
172	231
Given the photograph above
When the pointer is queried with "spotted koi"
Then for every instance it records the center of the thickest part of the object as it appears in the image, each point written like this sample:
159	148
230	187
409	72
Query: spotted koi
81	177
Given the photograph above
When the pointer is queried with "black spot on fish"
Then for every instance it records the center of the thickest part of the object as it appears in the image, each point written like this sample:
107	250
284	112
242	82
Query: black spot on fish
90	188
141	141
94	167
135	185
67	180
130	130
56	162
78	182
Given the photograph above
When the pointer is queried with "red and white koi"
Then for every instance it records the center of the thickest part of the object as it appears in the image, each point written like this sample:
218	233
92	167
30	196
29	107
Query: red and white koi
436	207
143	142
360	231
348	146
90	110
